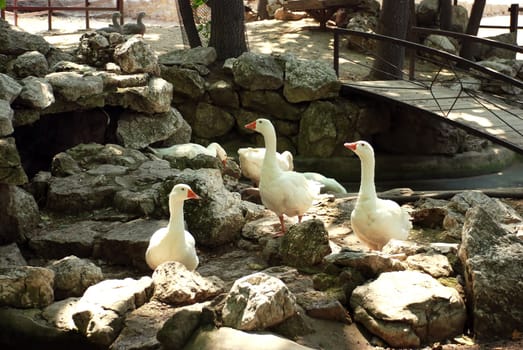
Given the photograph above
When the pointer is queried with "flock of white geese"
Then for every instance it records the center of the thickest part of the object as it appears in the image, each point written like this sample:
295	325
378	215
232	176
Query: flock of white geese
285	192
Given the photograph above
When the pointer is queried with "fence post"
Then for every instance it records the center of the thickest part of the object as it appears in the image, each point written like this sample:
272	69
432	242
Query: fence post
514	14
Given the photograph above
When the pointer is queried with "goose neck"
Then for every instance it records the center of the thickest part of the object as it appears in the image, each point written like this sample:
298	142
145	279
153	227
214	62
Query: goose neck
367	186
176	226
269	160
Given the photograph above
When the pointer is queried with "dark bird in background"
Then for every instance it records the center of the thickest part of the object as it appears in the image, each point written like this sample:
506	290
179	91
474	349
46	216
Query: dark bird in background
114	27
135	28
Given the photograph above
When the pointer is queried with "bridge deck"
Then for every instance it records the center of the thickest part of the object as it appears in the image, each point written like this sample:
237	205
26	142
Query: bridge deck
485	115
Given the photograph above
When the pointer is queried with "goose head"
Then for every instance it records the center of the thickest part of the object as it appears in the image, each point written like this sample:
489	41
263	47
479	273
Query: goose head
362	149
141	15
261	125
181	192
220	152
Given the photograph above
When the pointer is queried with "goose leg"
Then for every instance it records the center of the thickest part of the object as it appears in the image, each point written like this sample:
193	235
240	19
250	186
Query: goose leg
299	218
282	225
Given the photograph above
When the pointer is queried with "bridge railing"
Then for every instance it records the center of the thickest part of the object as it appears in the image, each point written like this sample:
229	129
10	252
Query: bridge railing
16	7
462	62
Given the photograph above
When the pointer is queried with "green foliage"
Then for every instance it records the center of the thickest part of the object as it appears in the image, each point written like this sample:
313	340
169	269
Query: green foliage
2	4
195	3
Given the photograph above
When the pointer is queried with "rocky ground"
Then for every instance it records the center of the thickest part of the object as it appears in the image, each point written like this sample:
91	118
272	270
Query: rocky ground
275	37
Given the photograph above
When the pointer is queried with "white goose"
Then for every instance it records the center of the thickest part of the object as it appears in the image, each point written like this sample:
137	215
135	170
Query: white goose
375	221
283	192
251	160
174	243
191	150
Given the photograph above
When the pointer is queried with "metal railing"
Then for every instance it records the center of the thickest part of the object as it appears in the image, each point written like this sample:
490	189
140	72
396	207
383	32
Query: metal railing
15	8
464	63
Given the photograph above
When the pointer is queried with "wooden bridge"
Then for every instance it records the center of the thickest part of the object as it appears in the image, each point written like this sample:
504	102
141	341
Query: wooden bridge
483	114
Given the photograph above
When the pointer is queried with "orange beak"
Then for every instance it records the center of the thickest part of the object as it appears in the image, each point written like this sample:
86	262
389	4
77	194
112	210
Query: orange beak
251	125
192	195
351	146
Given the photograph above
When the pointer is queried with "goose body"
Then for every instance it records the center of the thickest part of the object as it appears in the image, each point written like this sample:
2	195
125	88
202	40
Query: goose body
283	192
174	243
374	220
191	150
251	160
114	27
135	28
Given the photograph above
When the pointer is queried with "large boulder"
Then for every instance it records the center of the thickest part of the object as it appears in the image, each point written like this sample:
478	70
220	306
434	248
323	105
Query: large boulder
305	244
19	214
26	286
101	311
257	302
136	56
155	97
408	309
175	285
309	80
493	267
16	42
11	171
9	88
257	72
138	130
36	93
32	63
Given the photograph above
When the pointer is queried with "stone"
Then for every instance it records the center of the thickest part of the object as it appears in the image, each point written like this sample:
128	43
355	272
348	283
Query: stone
25	117
9	88
322	128
138	130
257	302
257	72
126	243
97	48
155	97
16	42
178	329
226	338
187	83
197	55
492	260
31	63
73	276
408	309
36	93
101	311
144	325
26	286
74	86
211	121
370	264
219	219
175	285
57	243
321	305
305	244
19	214
436	265
136	56
222	93
443	43
23	328
10	255
309	81
6	119
270	102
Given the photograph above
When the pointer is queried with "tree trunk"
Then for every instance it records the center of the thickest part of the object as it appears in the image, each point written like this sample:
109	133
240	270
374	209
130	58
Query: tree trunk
262	9
393	21
476	13
445	14
188	23
228	28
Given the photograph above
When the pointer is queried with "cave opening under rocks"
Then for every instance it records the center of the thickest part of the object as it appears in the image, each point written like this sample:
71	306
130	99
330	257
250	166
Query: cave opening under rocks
39	142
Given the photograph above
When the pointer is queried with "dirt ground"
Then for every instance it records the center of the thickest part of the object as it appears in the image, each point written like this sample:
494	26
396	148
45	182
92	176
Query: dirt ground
267	37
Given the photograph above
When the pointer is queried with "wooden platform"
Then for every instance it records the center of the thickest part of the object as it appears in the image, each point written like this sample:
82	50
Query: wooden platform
484	115
320	10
